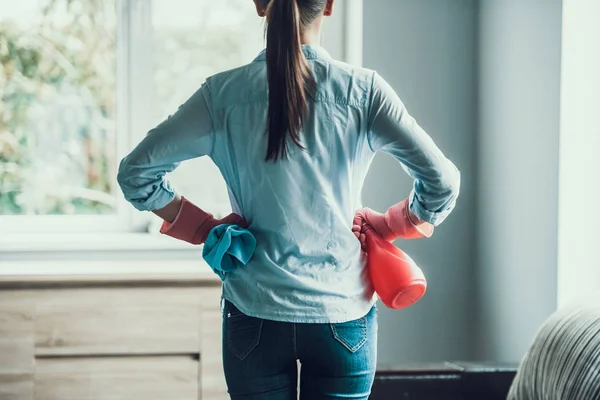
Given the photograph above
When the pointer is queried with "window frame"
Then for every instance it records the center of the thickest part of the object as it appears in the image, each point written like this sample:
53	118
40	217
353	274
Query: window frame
133	40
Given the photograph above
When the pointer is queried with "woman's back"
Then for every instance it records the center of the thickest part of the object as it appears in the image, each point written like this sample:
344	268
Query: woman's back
307	266
300	208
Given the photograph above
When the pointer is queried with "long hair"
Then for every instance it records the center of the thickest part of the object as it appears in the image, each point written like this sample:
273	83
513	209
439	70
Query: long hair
289	76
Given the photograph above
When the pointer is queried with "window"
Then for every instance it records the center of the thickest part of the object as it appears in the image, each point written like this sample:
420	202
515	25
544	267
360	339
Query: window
57	109
76	99
82	81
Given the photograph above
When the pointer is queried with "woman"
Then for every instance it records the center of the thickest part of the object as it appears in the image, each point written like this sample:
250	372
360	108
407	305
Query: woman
293	134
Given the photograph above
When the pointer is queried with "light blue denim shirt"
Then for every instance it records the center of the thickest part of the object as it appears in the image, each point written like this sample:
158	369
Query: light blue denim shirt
307	266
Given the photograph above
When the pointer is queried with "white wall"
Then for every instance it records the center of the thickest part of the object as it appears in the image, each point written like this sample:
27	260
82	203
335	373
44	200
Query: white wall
579	223
333	33
426	49
342	32
519	92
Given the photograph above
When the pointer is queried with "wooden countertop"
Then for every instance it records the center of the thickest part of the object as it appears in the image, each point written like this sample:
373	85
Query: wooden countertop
77	273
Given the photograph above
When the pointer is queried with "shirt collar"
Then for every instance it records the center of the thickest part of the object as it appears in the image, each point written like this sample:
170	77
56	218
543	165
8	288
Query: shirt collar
311	52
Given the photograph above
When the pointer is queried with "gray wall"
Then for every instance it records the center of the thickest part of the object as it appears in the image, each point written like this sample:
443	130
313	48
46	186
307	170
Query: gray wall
517	172
578	264
426	50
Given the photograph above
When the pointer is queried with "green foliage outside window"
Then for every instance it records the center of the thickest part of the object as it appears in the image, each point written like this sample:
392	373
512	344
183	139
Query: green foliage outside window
57	110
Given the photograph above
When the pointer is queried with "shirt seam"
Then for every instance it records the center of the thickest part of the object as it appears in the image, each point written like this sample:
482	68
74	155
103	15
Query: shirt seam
310	58
369	112
320	98
331	178
207	99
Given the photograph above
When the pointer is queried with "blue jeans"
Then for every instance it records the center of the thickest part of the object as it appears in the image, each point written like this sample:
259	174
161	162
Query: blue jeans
260	358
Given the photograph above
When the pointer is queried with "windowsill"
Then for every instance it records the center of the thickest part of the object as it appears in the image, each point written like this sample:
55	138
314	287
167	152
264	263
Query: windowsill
33	243
73	270
128	255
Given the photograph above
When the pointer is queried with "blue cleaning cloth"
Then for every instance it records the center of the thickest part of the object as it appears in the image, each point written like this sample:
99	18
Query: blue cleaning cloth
228	247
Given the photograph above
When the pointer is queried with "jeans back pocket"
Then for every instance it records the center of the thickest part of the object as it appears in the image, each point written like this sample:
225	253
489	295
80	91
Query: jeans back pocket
243	332
352	335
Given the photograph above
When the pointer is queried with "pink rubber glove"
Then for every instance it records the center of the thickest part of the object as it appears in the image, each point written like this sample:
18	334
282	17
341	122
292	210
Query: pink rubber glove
193	225
397	222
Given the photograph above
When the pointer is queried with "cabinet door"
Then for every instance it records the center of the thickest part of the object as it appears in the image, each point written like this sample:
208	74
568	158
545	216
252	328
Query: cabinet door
120	378
16	348
212	377
16	386
117	321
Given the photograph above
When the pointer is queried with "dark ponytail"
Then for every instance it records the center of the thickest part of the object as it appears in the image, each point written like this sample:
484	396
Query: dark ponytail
290	80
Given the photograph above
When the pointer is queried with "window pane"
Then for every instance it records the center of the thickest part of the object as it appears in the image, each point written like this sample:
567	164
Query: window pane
194	39
57	106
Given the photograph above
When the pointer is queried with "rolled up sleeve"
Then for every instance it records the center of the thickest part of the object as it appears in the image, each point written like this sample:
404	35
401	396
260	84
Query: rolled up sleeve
184	135
394	131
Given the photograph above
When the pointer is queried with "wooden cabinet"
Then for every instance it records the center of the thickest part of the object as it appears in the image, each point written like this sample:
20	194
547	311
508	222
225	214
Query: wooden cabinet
108	378
16	350
110	338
